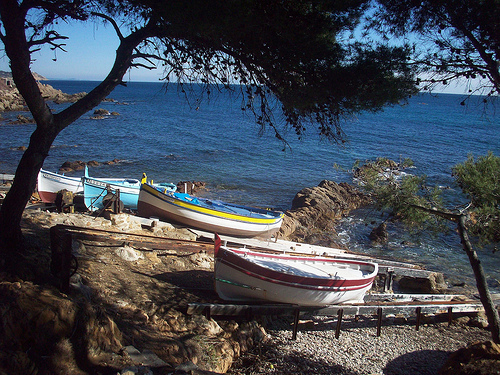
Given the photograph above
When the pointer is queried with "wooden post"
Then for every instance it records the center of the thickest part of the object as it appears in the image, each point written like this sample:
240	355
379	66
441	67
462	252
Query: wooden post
61	249
450	315
206	312
295	324
419	316
389	277
340	313
117	208
379	321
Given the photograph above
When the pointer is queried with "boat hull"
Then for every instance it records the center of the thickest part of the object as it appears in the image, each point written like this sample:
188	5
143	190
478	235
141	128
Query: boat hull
49	184
243	276
96	189
153	203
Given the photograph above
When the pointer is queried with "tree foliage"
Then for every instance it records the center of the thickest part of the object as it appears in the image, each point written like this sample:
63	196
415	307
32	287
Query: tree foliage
398	194
411	200
461	38
480	181
293	60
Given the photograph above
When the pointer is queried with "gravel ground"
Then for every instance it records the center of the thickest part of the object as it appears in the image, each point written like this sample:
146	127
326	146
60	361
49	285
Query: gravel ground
400	350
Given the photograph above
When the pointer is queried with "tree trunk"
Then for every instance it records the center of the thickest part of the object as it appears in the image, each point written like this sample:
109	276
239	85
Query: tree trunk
22	187
482	286
48	125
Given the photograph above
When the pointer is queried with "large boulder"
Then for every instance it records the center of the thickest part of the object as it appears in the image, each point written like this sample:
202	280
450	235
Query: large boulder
482	358
431	283
316	210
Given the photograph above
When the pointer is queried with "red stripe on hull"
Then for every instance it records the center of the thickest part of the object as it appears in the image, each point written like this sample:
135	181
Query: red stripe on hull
254	270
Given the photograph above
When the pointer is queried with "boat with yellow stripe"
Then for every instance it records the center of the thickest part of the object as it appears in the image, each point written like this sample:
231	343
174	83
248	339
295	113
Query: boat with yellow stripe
206	214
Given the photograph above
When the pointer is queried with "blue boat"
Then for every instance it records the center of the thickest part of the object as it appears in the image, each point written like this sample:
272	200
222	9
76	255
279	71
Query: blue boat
97	191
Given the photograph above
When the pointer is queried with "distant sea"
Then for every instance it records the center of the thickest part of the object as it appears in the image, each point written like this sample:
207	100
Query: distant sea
174	139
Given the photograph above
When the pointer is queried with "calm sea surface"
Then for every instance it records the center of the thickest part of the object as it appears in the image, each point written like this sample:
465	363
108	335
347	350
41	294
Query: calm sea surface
172	139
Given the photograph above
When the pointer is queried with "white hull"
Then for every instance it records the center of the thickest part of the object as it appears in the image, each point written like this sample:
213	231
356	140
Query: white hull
290	279
155	204
49	184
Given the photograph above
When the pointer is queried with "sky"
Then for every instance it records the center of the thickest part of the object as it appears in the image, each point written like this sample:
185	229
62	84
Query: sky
90	54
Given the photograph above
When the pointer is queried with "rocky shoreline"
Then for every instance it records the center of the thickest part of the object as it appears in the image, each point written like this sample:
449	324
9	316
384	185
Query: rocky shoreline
126	311
11	99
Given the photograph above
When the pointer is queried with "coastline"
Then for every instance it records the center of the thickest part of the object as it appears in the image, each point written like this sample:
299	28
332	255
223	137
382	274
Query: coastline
146	291
288	357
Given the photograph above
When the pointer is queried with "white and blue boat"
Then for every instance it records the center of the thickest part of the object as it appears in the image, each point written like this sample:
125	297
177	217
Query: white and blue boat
205	214
97	191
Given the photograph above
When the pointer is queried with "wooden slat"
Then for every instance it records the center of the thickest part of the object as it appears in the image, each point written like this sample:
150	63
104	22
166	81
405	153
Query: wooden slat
402	309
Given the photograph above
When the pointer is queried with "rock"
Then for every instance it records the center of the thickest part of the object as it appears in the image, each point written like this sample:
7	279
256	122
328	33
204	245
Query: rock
317	209
115	303
481	358
146	358
21	119
20	148
101	112
11	100
190	187
128	253
379	234
433	283
39	322
382	167
136	370
69	166
111	162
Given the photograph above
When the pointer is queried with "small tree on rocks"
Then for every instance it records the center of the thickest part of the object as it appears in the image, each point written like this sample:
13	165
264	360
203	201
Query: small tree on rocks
410	200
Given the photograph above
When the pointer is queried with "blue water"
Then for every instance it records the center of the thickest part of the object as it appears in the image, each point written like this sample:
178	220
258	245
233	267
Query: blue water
173	140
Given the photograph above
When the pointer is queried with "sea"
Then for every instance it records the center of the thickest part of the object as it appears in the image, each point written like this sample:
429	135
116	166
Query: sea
174	134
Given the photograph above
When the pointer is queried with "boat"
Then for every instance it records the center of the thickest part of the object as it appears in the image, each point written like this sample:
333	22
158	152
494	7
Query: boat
97	191
49	184
206	214
242	275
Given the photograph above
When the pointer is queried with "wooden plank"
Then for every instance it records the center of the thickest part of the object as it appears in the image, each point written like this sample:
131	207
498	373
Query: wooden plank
291	247
4	177
138	240
386	265
347	310
404	297
401	310
239	310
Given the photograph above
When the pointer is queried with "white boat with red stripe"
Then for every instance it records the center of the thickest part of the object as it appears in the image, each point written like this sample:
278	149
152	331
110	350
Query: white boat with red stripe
243	275
49	184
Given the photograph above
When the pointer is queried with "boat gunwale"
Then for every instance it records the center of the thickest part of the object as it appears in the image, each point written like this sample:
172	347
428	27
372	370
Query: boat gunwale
252	269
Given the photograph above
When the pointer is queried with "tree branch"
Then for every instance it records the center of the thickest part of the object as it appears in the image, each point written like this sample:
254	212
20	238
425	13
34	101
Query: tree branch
446	215
112	22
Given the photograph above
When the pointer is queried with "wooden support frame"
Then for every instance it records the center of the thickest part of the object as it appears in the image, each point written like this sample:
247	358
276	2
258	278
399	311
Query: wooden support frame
433	305
296	316
340	314
379	320
419	317
63	263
